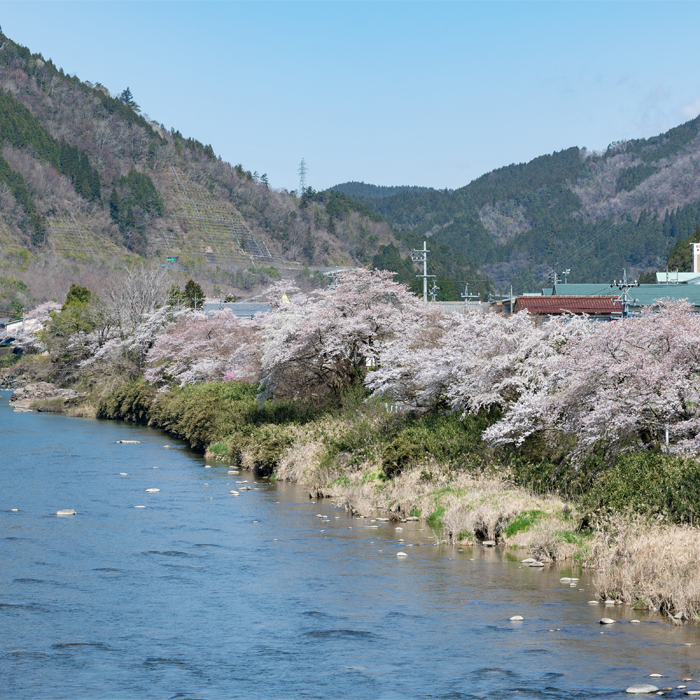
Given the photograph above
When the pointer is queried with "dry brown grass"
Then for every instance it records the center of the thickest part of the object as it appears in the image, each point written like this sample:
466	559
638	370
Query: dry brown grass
84	410
654	565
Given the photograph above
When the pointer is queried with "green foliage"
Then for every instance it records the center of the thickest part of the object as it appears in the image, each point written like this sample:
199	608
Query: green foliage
337	204
522	522
451	269
444	438
198	147
657	148
14	294
435	518
22	129
361	189
77	296
128	99
8	359
649	483
20	192
389	258
131	401
680	257
194	295
134	202
629	178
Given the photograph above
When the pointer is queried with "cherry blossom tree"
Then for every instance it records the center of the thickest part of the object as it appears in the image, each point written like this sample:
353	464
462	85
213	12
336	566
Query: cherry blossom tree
199	347
472	361
619	387
316	345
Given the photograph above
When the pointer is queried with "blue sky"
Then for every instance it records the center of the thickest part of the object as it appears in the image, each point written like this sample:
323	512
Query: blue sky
392	93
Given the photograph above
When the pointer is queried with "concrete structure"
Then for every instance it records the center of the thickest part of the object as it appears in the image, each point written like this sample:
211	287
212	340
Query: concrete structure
677	277
242	309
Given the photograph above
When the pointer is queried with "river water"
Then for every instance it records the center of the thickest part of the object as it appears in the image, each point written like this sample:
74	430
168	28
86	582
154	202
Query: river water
202	594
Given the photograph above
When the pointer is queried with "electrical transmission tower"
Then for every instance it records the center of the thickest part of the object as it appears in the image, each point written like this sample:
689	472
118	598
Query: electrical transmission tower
623	285
421	256
303	171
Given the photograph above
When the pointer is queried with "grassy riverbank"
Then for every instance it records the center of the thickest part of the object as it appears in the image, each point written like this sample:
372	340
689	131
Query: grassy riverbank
633	520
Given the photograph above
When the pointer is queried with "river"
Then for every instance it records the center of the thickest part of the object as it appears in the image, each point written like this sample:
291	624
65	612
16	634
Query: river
202	594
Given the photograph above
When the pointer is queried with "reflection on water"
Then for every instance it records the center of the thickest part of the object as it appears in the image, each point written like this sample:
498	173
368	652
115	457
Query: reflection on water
204	595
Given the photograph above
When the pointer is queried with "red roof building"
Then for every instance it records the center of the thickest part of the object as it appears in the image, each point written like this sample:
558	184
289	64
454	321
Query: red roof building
603	308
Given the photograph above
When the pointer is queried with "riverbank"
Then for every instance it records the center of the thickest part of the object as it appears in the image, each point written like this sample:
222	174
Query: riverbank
624	522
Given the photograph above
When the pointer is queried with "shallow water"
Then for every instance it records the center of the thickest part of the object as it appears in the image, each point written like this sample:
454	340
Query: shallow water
190	597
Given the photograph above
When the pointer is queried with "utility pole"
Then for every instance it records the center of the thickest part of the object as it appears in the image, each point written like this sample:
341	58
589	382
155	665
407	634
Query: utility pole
303	170
623	285
422	256
434	290
566	274
555	279
467	296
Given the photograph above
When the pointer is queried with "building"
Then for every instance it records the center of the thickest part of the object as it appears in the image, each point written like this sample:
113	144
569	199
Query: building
643	295
598	308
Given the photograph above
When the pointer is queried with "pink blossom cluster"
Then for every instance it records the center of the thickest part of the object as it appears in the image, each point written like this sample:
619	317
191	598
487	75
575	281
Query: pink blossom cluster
198	347
622	386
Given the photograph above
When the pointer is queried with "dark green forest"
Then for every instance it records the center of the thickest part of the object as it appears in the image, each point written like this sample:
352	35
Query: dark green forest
133	203
362	189
556	236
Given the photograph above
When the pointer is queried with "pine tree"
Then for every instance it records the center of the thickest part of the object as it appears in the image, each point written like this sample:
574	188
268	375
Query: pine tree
194	295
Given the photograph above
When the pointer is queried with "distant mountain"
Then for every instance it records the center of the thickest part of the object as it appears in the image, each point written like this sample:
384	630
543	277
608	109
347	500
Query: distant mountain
84	176
360	189
592	213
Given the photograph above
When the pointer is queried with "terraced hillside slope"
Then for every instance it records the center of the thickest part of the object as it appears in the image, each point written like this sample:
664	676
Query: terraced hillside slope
85	176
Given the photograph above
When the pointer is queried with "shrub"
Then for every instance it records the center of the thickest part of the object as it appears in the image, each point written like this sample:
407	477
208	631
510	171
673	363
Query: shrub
131	401
650	484
445	438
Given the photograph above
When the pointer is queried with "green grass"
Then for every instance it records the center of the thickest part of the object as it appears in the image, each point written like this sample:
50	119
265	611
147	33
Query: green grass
435	518
522	522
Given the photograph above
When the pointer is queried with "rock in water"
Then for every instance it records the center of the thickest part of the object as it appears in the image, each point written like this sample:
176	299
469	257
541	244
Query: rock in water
38	394
128	442
641	689
516	618
529	560
401	554
488	543
152	490
67	511
606	621
536	564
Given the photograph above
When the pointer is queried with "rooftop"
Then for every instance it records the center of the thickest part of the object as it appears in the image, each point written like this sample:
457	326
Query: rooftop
569	304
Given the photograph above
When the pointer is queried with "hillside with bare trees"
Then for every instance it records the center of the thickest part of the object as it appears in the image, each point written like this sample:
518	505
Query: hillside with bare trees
88	182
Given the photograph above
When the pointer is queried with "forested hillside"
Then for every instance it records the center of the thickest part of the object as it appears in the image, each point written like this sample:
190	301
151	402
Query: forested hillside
361	189
87	180
592	213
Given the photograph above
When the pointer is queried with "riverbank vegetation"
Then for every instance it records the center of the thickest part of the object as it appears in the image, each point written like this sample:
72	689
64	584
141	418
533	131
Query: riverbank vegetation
567	439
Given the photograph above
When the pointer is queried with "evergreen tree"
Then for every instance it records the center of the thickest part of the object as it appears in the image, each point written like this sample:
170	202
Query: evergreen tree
77	296
194	295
